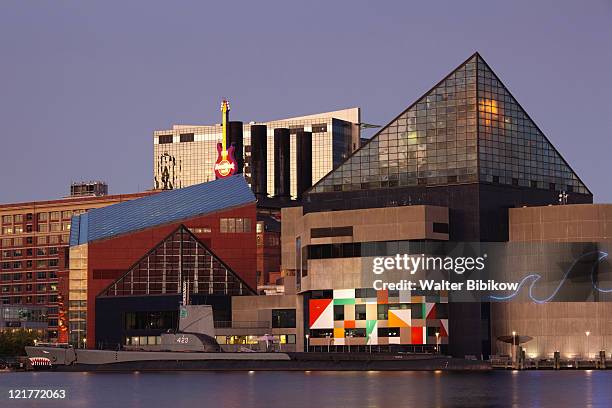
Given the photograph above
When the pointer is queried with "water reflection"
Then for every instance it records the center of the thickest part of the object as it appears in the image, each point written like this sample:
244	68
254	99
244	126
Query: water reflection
320	389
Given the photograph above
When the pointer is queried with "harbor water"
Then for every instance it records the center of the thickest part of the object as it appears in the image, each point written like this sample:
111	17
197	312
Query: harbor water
580	388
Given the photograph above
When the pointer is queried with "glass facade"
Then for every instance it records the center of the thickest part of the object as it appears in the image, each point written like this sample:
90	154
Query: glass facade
433	142
467	129
512	150
181	161
179	258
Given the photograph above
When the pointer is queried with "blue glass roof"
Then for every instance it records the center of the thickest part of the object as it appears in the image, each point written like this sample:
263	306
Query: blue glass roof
162	208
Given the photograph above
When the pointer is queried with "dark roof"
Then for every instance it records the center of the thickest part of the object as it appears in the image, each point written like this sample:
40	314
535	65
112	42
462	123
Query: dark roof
163	208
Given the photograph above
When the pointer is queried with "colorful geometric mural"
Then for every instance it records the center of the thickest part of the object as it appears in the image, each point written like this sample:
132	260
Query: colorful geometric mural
371	317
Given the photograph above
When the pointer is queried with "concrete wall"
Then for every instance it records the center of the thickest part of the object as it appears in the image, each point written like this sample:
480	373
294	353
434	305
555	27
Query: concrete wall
562	223
558	326
372	224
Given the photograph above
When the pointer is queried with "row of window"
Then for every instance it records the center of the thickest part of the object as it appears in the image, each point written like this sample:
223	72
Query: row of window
42	240
43	216
368	293
53	227
20	300
417	311
28	276
40	264
29	252
374	248
279	338
234	225
361	332
41	287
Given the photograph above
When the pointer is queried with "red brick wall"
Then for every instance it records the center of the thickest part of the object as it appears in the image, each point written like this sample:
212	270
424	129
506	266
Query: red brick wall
111	258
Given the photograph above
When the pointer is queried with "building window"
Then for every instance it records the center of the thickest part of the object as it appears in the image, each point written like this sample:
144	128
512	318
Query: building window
7	242
41	264
338	312
56	227
43	227
7	219
41	275
7	230
360	312
42	216
165	139
18	218
331	232
55	216
41	240
283	318
18	229
186	137
54	239
232	225
67	214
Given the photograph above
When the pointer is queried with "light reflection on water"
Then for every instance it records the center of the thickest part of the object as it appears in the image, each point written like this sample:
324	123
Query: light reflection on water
318	389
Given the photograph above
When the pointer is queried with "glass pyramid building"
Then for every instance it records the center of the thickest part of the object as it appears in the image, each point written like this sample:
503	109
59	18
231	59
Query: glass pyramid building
179	258
466	129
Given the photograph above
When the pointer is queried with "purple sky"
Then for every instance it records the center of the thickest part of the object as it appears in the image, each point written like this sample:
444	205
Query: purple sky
83	86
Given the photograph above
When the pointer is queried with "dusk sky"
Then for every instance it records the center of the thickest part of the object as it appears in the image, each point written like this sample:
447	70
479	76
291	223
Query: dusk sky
84	85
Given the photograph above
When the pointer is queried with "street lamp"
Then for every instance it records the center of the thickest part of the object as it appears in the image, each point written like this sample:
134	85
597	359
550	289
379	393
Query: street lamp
588	333
84	342
307	343
514	354
437	342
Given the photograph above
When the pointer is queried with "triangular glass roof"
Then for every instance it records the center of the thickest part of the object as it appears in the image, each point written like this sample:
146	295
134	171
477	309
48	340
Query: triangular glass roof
466	129
512	149
178	258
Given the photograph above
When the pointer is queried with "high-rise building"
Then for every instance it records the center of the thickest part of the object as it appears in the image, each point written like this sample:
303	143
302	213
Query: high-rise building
185	155
34	238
